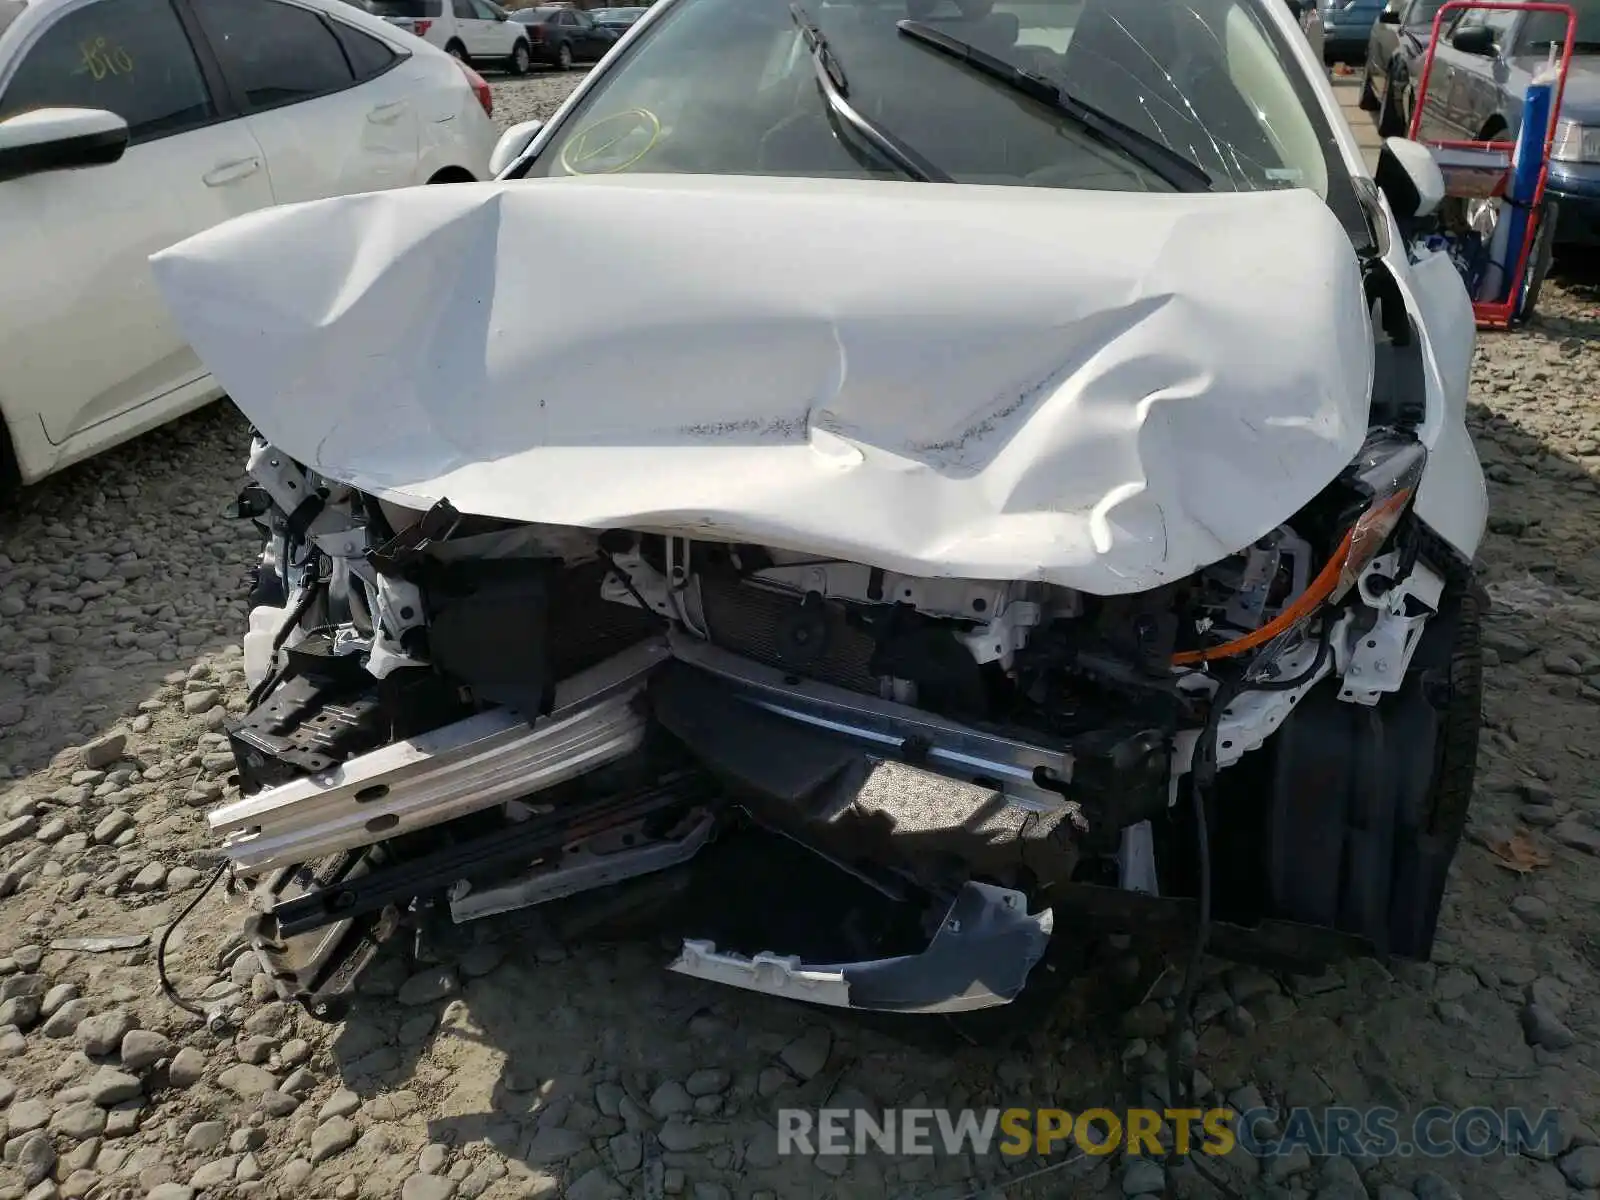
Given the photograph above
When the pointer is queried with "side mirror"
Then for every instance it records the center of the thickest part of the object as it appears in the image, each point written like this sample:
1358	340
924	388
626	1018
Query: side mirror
1475	39
59	139
1409	178
1389	16
512	143
502	16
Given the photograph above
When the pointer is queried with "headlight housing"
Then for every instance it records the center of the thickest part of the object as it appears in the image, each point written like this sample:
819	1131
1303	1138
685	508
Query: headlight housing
1575	143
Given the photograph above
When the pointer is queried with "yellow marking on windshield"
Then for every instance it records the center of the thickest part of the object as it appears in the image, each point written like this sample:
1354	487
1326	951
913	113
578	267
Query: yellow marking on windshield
100	59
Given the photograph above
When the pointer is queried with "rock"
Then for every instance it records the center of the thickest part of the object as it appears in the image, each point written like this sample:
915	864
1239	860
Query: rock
428	1187
103	1034
708	1081
1577	836
626	1150
103	752
79	1121
187	1068
65	1020
181	879
552	1144
111	1086
278	1103
201	701
246	1081
21	1011
16	830
670	1099
112	826
1140	1175
56	997
143	1048
428	986
342	1103
1581	1167
333	1136
34	1157
1532	910
170	1191
1541	1027
27	1115
483	959
204	1137
150	878
595	1184
807	1054
214	1174
1429	1186
680	1135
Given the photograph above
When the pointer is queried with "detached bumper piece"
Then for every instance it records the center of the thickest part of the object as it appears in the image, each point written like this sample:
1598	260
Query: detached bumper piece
436	777
980	957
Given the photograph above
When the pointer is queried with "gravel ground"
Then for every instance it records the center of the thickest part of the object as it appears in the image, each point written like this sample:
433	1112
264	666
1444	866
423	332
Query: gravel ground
524	1067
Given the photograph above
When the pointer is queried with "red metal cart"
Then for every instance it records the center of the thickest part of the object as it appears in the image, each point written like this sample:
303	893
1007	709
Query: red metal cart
1482	169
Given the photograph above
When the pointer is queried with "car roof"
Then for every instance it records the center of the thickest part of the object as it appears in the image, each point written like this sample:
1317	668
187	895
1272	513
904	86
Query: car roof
32	13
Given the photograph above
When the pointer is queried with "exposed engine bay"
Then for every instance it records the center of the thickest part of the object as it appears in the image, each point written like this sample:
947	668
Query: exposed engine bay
454	717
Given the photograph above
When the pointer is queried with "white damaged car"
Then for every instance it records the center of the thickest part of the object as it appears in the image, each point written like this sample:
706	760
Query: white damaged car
1007	459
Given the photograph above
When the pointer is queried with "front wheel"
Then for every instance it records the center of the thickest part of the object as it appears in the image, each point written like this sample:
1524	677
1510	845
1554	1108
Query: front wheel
521	59
1369	98
1390	122
1539	257
564	56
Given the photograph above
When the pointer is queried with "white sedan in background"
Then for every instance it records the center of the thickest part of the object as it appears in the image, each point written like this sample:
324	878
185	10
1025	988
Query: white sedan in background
129	125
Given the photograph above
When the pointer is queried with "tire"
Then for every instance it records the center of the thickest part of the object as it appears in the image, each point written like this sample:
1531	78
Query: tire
1390	122
458	52
1369	98
1544	243
564	58
521	61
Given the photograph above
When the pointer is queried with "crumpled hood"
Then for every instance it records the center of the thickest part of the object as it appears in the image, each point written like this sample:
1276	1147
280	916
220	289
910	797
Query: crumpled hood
1101	390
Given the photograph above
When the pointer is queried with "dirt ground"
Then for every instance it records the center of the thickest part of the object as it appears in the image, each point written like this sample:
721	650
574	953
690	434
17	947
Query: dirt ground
523	1065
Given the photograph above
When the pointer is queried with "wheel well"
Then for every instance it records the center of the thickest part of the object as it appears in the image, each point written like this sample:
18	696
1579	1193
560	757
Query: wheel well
10	470
456	42
1494	125
453	175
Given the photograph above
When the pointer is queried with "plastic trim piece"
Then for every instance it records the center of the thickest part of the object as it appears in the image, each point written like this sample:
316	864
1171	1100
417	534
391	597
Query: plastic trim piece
979	958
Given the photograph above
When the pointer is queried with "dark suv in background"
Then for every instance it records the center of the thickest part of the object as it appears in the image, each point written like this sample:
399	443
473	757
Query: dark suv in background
561	37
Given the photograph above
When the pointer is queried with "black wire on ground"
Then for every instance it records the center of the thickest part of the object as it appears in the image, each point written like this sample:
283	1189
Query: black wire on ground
167	990
1202	782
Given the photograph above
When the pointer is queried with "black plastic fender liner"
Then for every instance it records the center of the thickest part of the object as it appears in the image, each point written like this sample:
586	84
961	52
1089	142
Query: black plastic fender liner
1366	805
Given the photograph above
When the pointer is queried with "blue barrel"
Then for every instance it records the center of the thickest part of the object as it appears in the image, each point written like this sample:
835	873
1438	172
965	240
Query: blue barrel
1527	160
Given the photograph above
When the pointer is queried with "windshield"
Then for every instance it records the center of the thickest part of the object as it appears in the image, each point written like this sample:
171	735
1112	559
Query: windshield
415	9
729	87
1545	28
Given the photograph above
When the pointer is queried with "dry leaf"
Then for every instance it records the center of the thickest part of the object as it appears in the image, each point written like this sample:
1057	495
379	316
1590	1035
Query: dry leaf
1519	853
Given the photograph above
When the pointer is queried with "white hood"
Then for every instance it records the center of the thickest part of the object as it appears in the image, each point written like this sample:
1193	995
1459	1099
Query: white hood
1096	389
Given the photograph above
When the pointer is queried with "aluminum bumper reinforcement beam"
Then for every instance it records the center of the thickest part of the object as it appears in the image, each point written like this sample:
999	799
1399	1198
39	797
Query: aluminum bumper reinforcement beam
447	773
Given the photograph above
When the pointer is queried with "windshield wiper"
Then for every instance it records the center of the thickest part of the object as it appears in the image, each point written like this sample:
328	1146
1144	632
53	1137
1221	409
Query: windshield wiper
1174	168
836	91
